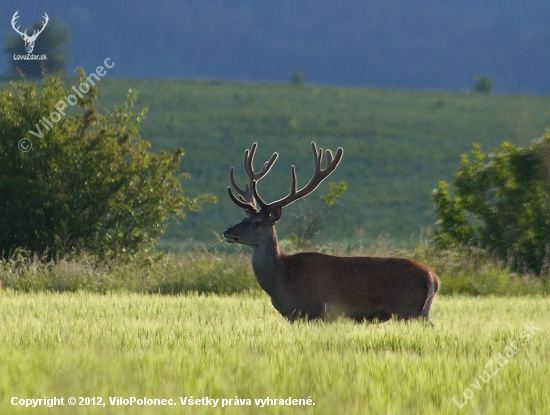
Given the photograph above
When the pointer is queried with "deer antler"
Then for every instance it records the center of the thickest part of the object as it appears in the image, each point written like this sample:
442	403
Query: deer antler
46	20
318	176
24	34
13	22
246	195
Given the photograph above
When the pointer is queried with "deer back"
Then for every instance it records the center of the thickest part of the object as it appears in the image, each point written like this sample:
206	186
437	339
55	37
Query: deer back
357	287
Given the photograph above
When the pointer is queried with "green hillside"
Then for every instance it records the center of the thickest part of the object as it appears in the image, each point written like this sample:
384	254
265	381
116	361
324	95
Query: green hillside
398	144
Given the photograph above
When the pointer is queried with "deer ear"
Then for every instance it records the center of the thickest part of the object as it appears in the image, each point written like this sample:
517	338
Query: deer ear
276	214
247	212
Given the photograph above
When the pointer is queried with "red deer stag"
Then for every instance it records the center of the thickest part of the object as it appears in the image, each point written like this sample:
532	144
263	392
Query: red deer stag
313	285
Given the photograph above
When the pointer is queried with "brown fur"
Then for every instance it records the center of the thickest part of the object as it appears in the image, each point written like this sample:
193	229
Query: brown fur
357	287
312	285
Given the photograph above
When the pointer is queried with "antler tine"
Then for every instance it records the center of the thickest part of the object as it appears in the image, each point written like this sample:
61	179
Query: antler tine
267	166
249	160
319	175
249	207
246	195
35	33
317	155
329	157
234	184
14	22
257	197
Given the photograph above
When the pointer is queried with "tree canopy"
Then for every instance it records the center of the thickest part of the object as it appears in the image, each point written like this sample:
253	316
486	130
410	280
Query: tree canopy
501	203
75	179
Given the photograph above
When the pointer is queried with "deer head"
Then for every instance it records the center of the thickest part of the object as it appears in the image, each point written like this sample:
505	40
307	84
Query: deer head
256	226
29	40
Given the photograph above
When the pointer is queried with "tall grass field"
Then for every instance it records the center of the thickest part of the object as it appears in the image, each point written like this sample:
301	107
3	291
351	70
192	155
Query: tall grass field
231	353
191	332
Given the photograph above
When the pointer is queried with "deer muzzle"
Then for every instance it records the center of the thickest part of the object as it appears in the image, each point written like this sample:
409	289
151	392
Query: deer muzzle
229	236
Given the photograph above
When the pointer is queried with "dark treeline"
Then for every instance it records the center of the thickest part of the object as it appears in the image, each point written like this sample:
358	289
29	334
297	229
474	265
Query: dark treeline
424	44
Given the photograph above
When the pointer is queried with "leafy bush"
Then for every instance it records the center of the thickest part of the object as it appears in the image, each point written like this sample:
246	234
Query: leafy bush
88	183
195	271
483	85
297	78
467	272
308	223
502	205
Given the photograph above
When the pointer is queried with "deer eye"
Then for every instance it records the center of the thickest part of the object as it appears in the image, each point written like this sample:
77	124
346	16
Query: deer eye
257	223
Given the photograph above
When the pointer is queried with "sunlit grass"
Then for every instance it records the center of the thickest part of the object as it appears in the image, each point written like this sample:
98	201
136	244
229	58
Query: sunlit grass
203	271
226	346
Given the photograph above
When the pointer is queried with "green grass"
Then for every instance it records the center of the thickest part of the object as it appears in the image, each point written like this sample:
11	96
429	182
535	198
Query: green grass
203	271
72	327
124	345
398	144
194	271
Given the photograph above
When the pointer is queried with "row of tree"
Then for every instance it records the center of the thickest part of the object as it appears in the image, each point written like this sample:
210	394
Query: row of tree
88	182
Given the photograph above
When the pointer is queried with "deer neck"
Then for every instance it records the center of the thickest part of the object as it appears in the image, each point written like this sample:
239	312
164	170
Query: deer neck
267	264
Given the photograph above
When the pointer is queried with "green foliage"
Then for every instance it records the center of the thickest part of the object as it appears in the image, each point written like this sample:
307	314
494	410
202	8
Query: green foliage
502	205
397	144
308	224
51	42
483	85
297	78
336	190
194	271
89	183
468	272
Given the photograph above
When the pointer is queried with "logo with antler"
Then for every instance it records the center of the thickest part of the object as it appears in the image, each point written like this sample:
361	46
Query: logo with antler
29	40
